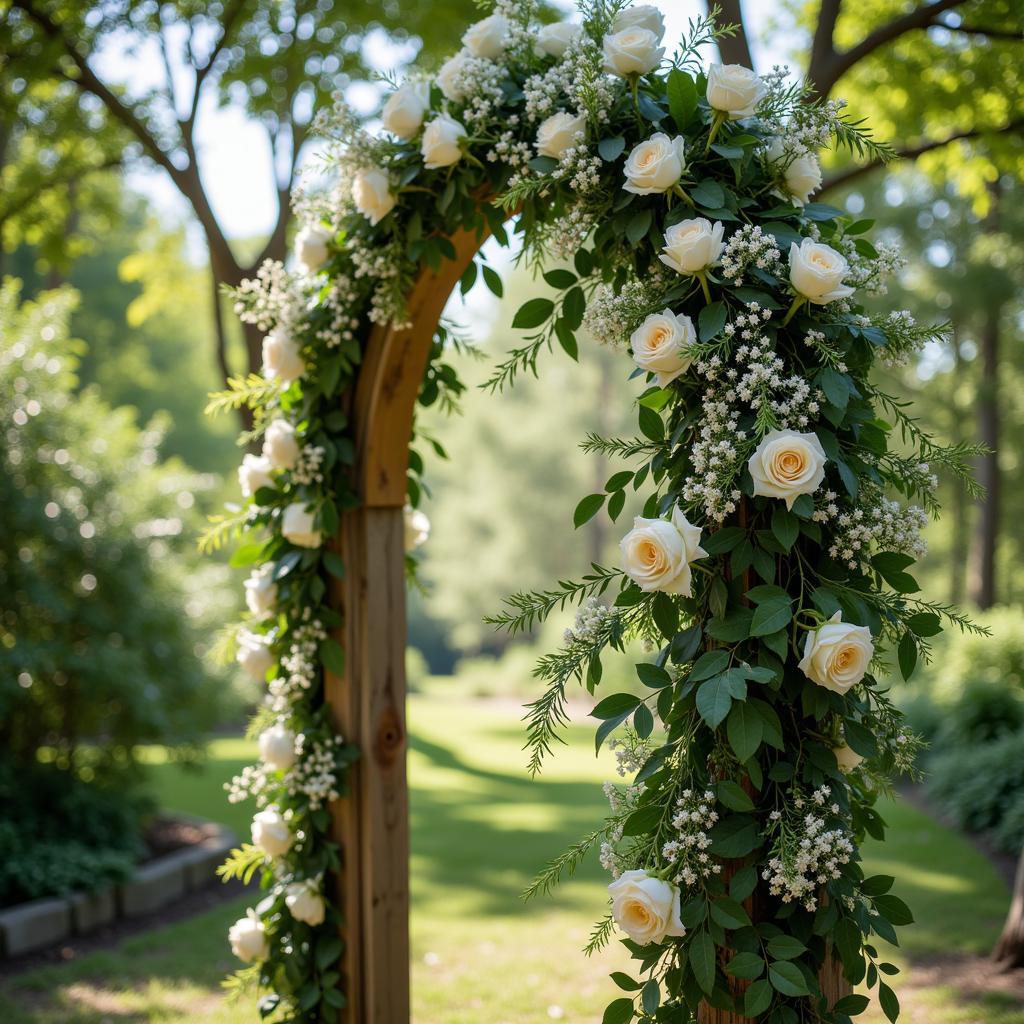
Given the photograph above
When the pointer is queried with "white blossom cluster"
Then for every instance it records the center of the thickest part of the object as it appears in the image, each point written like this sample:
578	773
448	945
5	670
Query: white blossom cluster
622	802
574	82
590	617
274	297
313	776
581	169
631	753
307	467
476	83
688	851
801	128
612	315
903	337
570	231
300	664
511	151
875	523
339	304
750	246
805	853
870	273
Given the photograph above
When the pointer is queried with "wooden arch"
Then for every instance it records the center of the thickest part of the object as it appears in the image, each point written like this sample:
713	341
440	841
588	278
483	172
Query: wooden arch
371	823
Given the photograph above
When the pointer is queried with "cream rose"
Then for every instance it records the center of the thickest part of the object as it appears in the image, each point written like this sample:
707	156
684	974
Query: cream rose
297	526
645	908
280	445
277	748
848	759
487	38
254	655
248	939
270	832
417	528
816	272
305	903
656	553
311	247
661	345
633	51
261	592
641	16
734	90
282	357
371	192
787	464
405	109
655	165
559	132
441	146
837	654
451	78
554	40
254	473
692	245
801	176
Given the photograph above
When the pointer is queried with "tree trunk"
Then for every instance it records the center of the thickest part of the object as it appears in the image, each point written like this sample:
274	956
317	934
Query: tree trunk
988	430
1009	949
734	49
959	550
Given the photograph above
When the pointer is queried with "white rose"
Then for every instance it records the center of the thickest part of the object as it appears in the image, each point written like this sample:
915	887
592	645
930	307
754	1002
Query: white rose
254	473
641	16
849	760
371	192
248	938
417	528
405	108
837	654
633	51
261	592
305	903
282	358
661	345
655	165
451	79
311	247
816	271
277	748
645	908
441	142
801	176
297	526
787	464
254	655
280	445
734	90
558	132
487	38
554	40
656	553
692	245
270	832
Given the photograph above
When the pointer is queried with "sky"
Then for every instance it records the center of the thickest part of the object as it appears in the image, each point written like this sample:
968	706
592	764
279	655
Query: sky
230	146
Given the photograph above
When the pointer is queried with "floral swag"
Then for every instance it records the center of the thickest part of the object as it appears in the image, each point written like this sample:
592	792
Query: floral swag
769	569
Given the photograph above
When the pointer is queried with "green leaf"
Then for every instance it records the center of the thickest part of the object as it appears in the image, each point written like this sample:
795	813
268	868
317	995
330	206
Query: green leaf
745	965
821	211
711	320
888	1001
735	836
733	796
247	554
757	999
702	960
877	885
665	614
643	721
708	193
493	281
611	149
618	1012
925	624
743	883
906	654
587	509
894	910
788	979
333	563
653	676
625	982
785	526
785	947
735	626
332	656
745	730
574	305
639	225
651	997
714	699
533	313
709	664
682	97
560	278
651	424
721	541
772	615
617	481
852	1005
615	705
729	913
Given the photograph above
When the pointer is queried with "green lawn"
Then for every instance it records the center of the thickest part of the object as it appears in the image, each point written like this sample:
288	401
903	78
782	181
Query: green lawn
480	828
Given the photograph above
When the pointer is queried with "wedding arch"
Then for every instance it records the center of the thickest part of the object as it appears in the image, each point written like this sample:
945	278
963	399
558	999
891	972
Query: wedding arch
670	210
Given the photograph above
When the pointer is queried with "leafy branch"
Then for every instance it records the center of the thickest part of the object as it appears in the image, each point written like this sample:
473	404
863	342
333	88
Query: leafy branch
600	936
617	447
567	863
222	529
251	391
242	863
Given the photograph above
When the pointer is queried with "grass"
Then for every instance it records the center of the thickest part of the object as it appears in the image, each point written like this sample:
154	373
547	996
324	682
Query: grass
480	829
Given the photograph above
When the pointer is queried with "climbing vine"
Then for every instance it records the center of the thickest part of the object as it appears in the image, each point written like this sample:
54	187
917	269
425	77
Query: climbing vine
669	206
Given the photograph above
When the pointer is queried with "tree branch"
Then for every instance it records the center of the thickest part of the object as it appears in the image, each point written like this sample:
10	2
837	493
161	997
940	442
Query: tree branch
981	30
823	50
918	18
734	49
913	152
231	15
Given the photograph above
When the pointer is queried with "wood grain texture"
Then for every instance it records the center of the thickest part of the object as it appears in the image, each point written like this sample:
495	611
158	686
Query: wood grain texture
371	823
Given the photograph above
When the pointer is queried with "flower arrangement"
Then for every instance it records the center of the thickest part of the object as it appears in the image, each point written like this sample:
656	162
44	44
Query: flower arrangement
769	567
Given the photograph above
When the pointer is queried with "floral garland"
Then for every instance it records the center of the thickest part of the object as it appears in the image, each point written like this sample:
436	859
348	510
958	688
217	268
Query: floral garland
769	567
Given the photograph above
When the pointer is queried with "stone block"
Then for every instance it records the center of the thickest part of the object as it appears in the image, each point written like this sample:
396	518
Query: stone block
34	925
92	910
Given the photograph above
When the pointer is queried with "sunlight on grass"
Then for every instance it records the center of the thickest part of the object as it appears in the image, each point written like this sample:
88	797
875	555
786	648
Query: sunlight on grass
481	829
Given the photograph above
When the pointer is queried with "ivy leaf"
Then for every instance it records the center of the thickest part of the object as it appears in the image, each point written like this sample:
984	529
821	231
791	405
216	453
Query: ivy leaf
702	960
533	313
587	509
